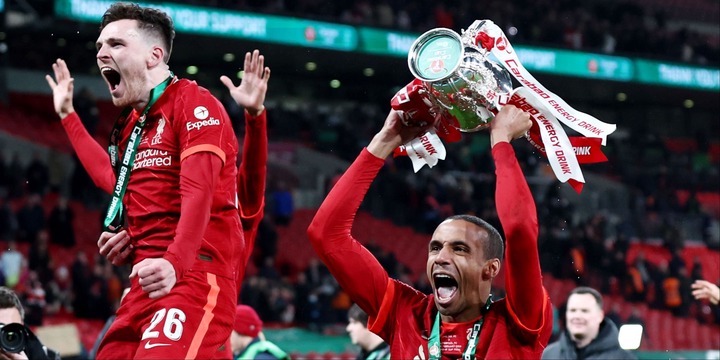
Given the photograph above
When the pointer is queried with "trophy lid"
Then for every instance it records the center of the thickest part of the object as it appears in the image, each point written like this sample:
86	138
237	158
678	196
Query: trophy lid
435	55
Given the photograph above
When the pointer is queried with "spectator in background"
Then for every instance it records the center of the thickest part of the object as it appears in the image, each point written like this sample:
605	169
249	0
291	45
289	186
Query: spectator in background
39	259
37	175
247	340
8	222
282	204
372	347
80	280
98	300
15	180
60	224
11	262
672	293
267	241
703	289
588	334
61	291
31	218
639	275
4	173
35	300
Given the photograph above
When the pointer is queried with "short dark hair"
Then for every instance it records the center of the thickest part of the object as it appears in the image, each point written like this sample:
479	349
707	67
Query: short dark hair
588	290
494	246
358	314
153	21
8	299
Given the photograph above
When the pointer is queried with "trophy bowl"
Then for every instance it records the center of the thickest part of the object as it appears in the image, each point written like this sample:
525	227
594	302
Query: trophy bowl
461	78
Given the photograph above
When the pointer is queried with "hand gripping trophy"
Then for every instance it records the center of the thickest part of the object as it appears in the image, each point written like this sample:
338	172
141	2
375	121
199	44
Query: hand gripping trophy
459	88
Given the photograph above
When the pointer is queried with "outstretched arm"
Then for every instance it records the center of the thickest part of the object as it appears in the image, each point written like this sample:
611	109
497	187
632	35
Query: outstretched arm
250	94
91	154
357	271
518	216
252	173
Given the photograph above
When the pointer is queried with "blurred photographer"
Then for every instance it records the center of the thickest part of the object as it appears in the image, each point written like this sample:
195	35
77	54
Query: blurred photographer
18	342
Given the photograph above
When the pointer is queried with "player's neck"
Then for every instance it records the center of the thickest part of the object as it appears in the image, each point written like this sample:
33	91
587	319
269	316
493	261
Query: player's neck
461	318
470	313
155	77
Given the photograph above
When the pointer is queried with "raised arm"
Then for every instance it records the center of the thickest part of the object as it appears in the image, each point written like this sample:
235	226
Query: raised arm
356	270
518	216
93	157
252	173
250	94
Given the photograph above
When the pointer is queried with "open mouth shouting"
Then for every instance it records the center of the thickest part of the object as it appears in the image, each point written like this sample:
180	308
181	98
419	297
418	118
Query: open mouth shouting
112	78
446	288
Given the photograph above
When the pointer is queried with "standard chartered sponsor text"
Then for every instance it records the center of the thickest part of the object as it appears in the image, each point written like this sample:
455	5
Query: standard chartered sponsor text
152	157
155	161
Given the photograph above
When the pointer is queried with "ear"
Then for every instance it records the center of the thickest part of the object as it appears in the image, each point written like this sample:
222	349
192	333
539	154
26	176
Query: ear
491	269
155	57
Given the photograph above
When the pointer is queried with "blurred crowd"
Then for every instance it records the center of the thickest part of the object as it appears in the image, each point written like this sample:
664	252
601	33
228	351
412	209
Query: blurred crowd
596	245
33	216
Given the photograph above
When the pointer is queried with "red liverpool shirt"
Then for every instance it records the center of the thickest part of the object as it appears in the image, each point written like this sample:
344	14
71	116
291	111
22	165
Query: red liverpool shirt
184	121
518	326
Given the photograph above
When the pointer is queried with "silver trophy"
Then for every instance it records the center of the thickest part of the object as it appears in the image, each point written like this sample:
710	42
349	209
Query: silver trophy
463	82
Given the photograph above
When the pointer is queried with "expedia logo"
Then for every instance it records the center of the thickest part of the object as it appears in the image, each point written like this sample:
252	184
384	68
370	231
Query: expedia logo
201	113
198	124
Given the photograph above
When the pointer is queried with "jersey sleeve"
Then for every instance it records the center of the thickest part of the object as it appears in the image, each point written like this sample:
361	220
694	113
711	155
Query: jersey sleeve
199	175
92	156
201	123
353	266
526	297
252	174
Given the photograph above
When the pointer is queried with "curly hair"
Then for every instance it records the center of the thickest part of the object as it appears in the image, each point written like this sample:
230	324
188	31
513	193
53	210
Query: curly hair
152	21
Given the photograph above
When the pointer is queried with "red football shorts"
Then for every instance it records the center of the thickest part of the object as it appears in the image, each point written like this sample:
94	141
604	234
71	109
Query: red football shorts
193	321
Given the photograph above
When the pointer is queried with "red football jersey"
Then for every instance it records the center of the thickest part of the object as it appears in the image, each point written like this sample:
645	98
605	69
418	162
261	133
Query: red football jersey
185	120
518	326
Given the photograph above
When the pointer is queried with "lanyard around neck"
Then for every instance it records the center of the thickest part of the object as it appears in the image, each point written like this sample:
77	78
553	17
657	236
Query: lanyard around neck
469	353
114	216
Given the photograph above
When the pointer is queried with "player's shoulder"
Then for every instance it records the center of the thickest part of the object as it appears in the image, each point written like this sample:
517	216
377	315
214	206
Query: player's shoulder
191	86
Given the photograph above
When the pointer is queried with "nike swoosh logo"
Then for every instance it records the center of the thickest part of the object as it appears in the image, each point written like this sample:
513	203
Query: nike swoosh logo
148	345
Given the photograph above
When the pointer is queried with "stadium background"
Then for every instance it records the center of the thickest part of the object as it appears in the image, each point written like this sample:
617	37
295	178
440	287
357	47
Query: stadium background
645	226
